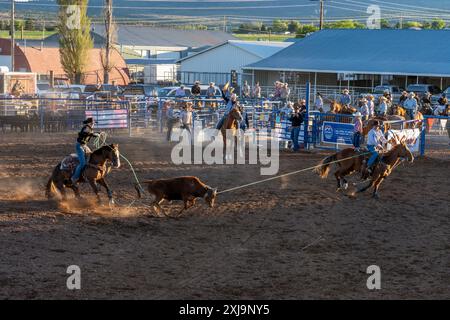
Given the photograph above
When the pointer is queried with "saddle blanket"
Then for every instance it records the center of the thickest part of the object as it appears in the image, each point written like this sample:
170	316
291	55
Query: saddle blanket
70	162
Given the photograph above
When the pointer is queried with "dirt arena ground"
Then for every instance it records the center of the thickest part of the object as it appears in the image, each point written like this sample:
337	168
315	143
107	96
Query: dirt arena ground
292	238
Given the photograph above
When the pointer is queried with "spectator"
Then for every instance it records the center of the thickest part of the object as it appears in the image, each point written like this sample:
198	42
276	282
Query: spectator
257	91
371	105
388	96
180	92
403	98
426	99
186	117
319	102
277	91
172	119
443	101
345	98
246	90
383	107
285	92
196	91
357	131
410	105
211	94
296	119
364	109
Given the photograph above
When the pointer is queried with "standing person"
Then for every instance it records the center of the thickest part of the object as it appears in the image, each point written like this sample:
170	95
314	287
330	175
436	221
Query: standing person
211	94
357	131
196	92
257	91
375	141
277	91
84	136
246	91
364	109
180	92
186	118
319	102
172	119
371	106
296	119
411	105
383	107
346	98
285	93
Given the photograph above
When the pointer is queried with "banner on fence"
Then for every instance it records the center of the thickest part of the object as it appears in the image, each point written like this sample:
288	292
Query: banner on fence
336	132
109	119
412	138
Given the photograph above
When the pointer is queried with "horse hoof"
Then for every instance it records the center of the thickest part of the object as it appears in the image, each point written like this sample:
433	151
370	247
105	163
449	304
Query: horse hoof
345	186
112	203
375	196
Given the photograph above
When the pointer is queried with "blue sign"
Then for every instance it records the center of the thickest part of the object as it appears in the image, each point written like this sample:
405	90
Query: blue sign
336	132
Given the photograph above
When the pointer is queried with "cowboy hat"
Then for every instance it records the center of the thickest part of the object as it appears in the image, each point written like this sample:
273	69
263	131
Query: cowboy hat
225	87
345	91
357	114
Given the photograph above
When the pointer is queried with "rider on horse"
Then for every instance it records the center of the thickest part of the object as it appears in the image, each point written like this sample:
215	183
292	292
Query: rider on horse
84	136
375	140
230	99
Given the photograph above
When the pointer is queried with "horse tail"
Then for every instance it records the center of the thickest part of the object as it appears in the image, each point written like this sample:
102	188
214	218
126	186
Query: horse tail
324	166
50	188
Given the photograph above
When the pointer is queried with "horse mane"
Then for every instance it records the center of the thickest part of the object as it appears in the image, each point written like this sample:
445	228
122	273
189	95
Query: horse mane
100	150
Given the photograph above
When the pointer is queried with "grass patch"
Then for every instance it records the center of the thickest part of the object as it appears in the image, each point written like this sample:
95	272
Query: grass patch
263	37
30	35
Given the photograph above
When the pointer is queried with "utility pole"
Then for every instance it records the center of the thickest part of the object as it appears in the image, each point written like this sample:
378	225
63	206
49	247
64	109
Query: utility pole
13	30
224	23
321	15
108	30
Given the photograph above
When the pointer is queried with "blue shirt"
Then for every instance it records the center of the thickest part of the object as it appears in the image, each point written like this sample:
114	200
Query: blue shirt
346	99
410	104
375	137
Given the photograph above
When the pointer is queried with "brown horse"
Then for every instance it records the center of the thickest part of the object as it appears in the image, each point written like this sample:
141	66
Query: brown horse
231	123
389	161
368	124
337	108
94	173
348	161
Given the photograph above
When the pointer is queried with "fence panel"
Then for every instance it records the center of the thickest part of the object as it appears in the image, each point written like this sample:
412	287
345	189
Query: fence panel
435	138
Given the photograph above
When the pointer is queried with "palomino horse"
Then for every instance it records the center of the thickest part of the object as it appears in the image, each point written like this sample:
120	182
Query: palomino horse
389	161
400	111
348	161
231	123
336	107
95	172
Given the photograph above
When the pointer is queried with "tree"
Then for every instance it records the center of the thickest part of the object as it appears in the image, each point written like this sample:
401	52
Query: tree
279	26
412	24
75	40
29	25
438	24
294	26
305	29
385	24
345	24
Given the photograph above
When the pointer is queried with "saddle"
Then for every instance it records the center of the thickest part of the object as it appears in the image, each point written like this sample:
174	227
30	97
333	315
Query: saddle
70	163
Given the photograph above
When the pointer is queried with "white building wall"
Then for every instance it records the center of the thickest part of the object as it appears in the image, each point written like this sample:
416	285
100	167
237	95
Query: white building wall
222	59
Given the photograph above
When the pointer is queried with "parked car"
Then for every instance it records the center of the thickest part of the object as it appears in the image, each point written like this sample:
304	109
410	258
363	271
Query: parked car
421	89
169	92
395	92
103	91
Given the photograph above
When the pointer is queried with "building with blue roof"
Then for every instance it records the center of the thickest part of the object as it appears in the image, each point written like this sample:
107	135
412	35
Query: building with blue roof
360	57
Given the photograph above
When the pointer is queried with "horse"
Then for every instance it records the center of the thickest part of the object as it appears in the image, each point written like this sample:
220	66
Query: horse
388	162
385	120
348	161
337	108
94	172
231	123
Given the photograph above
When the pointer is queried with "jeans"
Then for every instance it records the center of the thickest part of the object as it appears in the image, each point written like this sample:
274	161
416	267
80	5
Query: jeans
356	139
373	157
220	123
410	113
82	159
295	131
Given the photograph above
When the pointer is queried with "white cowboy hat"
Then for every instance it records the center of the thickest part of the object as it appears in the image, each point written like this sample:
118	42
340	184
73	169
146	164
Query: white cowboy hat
345	91
412	94
357	114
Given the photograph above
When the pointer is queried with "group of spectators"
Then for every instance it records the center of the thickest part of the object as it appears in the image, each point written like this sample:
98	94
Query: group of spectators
177	116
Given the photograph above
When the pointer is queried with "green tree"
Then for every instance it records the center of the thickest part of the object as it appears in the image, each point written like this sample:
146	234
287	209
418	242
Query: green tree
75	40
305	29
279	26
294	26
438	24
385	24
412	24
29	25
345	24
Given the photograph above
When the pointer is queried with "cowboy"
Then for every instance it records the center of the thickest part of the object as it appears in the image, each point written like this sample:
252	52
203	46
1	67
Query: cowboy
364	109
172	119
186	117
296	119
84	136
410	105
358	130
375	141
196	91
285	93
246	90
211	94
403	98
371	105
319	102
180	93
345	98
257	91
382	108
231	101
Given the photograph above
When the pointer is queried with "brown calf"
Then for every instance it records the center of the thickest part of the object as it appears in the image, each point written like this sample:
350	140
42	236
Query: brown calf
187	189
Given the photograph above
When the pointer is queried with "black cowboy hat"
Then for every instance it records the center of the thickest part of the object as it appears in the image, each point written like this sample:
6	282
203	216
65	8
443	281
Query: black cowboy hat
376	123
88	120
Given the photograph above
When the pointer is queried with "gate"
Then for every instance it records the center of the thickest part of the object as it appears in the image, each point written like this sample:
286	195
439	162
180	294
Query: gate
435	137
